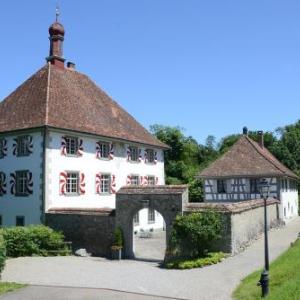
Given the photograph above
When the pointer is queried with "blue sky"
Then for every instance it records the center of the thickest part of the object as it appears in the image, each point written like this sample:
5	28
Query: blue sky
210	67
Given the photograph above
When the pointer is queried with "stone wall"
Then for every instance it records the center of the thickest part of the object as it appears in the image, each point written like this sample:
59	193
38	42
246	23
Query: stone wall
92	230
248	225
242	222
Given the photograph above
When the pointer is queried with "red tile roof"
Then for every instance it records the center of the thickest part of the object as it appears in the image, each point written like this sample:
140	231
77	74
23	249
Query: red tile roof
247	158
66	99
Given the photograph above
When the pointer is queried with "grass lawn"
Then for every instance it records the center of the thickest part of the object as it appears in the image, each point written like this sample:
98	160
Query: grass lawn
284	279
9	286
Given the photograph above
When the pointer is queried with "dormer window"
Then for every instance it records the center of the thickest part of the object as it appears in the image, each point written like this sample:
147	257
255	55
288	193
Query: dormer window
254	183
221	186
71	145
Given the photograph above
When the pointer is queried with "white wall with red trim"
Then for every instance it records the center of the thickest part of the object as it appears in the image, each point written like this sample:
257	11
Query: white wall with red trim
11	205
88	165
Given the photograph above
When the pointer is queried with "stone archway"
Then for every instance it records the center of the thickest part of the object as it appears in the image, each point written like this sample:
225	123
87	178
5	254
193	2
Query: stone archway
169	201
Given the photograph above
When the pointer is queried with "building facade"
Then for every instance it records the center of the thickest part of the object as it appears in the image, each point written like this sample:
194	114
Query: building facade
235	177
65	144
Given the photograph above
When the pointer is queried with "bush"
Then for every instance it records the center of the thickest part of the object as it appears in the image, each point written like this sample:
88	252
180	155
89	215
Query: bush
118	238
193	235
33	240
2	253
182	264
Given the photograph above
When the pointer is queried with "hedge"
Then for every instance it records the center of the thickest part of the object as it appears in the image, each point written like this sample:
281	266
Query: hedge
33	240
2	253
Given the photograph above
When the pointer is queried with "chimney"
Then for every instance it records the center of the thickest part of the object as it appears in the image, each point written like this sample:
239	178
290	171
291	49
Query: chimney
71	65
245	130
261	138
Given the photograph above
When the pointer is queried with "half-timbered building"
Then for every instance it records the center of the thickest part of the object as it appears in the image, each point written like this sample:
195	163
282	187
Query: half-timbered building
235	176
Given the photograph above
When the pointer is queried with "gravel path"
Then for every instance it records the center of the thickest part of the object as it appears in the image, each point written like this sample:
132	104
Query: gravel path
214	282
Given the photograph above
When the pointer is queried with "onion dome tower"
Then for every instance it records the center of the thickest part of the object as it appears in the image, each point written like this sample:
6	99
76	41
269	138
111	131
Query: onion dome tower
57	33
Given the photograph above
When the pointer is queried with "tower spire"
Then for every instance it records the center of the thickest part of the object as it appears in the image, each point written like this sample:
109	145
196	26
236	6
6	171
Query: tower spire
57	33
57	13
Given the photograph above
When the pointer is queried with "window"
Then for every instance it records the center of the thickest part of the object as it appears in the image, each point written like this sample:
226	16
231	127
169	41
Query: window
72	183
1	148
105	184
2	183
254	186
134	180
284	184
20	220
221	186
23	145
151	215
21	183
151	180
136	219
71	145
103	149
150	155
134	153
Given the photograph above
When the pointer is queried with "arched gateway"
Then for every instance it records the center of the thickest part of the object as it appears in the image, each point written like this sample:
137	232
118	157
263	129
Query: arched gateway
169	201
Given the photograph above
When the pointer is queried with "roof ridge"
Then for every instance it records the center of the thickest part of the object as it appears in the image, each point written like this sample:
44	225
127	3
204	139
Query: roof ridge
255	145
48	93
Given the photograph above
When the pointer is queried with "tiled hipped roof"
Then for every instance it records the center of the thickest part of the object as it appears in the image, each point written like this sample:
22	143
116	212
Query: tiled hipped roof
246	158
66	99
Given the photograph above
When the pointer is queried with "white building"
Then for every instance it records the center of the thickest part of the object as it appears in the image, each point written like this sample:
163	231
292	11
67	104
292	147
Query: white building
65	144
235	176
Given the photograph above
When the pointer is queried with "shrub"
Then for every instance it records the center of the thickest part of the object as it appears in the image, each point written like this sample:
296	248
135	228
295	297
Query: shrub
193	235
33	240
2	253
118	239
182	264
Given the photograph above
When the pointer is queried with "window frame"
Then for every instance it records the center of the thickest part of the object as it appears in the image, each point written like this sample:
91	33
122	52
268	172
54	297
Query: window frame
149	150
2	148
24	192
107	152
221	186
108	184
152	177
18	218
136	177
254	185
23	144
70	183
68	141
136	219
151	216
134	150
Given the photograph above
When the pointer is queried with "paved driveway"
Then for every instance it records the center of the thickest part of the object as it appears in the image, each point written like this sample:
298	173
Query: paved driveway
151	248
214	282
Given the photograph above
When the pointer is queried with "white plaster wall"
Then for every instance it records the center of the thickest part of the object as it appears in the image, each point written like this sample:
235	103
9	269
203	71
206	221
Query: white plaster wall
90	166
30	206
289	202
144	224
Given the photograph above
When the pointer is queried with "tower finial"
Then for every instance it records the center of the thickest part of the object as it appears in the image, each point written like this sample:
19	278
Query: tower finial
57	12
